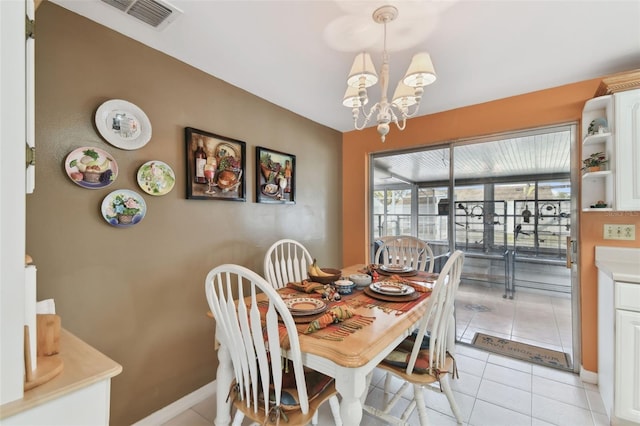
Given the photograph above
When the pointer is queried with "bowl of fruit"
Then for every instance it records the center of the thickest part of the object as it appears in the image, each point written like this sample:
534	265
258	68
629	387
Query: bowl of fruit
323	275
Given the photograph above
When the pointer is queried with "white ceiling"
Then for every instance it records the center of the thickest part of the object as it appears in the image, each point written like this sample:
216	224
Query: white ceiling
296	54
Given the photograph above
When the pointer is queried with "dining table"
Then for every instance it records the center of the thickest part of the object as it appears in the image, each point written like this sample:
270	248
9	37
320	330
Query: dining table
347	352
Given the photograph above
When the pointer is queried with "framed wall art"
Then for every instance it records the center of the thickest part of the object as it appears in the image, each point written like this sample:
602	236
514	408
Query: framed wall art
275	176
215	166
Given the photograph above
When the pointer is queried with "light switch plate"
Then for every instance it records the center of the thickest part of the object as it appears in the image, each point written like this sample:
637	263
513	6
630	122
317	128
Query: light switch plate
619	232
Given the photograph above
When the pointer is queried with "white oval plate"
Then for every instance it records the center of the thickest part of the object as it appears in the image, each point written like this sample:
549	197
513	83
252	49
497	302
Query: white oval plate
123	124
391	288
156	178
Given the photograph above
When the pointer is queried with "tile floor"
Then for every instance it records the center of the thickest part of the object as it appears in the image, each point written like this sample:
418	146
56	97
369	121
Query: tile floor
491	391
535	317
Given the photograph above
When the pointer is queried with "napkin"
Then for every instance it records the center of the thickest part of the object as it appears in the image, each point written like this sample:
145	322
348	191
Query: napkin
307	286
332	316
419	286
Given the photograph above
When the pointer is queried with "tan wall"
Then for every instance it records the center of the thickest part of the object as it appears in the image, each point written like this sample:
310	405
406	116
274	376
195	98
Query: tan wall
137	294
553	106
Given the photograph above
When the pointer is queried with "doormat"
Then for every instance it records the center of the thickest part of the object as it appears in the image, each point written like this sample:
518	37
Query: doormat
523	351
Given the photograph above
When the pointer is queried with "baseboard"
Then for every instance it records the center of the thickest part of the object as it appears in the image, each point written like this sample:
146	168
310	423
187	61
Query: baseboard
588	376
170	411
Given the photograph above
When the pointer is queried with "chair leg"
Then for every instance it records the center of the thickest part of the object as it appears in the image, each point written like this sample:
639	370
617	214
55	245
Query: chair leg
418	397
237	419
387	388
314	419
335	410
446	388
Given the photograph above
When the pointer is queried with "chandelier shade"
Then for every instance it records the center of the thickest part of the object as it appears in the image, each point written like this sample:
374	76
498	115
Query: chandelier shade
362	68
352	98
404	97
408	94
421	72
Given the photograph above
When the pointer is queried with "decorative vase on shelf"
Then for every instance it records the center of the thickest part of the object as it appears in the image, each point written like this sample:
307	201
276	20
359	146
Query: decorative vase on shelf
593	169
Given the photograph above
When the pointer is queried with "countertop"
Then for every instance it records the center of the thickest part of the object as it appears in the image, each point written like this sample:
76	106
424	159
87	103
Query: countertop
83	366
620	263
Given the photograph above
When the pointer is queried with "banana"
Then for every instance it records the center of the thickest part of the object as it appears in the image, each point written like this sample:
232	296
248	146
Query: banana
313	269
319	272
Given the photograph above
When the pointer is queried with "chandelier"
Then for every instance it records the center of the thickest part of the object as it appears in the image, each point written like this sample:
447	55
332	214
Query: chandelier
408	94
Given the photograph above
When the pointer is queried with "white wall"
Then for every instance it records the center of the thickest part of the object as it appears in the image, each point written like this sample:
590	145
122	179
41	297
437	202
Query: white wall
12	197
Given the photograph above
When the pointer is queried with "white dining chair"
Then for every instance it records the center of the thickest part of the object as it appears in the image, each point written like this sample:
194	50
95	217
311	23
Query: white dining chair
286	261
265	352
407	251
420	364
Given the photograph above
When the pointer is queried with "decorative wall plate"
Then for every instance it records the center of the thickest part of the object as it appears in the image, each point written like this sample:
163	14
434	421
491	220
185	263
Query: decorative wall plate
123	208
91	167
156	177
123	124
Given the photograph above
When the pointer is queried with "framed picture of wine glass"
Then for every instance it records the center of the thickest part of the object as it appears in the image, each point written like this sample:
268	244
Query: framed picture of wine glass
215	166
275	176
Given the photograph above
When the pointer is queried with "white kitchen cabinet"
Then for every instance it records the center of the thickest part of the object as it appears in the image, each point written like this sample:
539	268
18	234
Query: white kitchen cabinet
628	364
617	184
598	186
627	147
619	333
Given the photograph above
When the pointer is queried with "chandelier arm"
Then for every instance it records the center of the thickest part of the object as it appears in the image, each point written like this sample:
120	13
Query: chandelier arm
367	116
394	117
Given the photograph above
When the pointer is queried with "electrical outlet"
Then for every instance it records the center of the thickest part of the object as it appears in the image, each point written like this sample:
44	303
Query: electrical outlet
619	232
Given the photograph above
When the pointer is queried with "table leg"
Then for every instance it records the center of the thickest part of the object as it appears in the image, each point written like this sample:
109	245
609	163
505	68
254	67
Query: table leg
223	382
351	385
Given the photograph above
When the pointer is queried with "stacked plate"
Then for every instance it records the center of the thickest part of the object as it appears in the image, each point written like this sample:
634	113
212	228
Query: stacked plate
396	269
392	288
301	306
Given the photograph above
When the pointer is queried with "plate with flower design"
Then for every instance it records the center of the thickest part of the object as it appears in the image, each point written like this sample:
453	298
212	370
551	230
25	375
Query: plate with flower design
123	208
91	167
156	178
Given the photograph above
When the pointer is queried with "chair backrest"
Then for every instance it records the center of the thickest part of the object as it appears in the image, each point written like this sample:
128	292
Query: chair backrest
439	318
406	250
250	331
286	261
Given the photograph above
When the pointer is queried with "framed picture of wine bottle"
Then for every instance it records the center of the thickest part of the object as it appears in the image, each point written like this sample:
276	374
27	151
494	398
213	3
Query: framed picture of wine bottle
215	166
275	177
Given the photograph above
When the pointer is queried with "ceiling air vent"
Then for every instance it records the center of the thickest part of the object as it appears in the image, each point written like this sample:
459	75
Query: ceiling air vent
156	13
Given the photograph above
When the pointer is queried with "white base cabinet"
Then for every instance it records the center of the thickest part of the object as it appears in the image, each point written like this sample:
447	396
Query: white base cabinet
619	333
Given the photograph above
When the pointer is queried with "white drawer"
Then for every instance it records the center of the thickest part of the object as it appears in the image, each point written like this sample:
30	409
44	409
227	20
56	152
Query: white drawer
627	296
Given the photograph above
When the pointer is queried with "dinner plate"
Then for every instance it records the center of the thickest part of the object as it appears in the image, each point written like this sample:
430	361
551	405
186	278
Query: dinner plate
305	306
156	178
123	124
91	167
123	208
396	268
391	288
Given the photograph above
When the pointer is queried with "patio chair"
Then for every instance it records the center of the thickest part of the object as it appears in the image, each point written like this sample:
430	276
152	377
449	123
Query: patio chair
406	250
286	261
426	358
265	352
